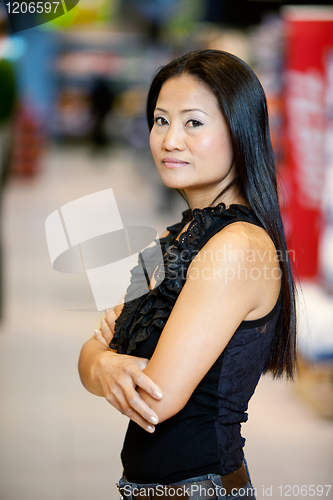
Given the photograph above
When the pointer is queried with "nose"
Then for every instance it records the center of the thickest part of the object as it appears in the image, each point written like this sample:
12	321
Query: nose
173	139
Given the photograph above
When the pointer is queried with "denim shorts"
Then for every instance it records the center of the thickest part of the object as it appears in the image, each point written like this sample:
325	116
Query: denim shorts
247	492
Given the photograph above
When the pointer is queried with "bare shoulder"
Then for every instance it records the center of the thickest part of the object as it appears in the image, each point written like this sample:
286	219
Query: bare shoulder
241	242
243	258
247	236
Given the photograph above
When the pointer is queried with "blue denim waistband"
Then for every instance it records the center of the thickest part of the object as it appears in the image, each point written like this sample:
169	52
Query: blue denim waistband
206	487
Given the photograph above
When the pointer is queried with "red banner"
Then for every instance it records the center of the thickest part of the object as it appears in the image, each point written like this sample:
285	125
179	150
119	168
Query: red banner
309	37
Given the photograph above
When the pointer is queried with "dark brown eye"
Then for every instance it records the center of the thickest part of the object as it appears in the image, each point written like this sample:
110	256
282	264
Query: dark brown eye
160	121
193	123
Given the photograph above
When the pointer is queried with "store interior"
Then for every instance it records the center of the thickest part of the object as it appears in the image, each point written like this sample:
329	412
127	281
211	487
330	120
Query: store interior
72	123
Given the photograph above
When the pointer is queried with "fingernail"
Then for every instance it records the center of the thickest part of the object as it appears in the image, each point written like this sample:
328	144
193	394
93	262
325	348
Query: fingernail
103	320
97	331
153	420
150	428
157	394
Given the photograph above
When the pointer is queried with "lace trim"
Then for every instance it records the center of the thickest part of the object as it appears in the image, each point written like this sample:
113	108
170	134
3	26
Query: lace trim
142	315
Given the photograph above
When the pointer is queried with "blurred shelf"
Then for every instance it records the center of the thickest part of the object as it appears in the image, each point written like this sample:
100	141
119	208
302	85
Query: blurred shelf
315	385
101	35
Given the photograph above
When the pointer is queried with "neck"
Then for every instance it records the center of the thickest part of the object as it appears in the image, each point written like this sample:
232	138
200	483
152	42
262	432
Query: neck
201	199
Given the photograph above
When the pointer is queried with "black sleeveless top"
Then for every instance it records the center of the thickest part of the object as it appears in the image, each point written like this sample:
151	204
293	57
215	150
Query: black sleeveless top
204	437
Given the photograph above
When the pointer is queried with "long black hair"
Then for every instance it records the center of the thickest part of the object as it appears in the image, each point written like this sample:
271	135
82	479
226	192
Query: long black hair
242	102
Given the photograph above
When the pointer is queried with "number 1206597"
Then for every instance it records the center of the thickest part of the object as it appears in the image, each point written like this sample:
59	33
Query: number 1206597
304	490
32	7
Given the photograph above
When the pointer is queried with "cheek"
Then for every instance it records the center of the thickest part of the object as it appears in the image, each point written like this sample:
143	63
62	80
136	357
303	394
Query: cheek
215	145
222	145
153	142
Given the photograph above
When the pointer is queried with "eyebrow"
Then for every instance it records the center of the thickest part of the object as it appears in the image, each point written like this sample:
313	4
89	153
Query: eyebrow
183	110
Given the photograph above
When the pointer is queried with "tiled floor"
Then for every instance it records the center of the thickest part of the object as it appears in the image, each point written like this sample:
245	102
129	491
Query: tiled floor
58	442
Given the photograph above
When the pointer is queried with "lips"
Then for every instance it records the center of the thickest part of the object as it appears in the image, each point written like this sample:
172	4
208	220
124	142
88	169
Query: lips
173	162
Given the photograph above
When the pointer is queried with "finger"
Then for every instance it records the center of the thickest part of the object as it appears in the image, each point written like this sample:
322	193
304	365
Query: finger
106	331
119	307
137	405
135	417
142	380
110	317
142	363
119	402
99	336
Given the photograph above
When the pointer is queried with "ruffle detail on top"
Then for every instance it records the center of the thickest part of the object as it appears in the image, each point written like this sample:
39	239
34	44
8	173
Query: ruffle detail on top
143	311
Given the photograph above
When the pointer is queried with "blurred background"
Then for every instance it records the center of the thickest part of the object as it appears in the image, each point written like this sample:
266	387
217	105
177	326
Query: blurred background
72	122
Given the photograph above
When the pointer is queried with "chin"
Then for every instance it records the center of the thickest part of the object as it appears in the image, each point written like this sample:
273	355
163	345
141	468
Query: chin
174	185
174	182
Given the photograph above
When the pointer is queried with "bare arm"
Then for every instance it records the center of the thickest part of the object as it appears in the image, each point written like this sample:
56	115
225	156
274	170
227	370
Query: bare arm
116	377
214	301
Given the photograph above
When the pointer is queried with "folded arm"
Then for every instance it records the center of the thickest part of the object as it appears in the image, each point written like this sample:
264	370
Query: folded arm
215	299
116	377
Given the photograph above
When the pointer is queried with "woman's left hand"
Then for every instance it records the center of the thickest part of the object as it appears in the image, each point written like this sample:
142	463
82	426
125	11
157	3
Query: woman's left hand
137	410
106	331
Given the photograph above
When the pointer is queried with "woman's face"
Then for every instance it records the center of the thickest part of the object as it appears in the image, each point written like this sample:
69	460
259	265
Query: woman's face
190	140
